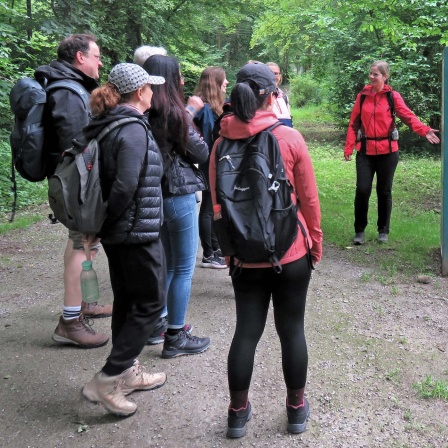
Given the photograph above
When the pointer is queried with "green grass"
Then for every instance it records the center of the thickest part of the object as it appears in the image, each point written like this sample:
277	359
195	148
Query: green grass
311	114
21	222
431	388
415	225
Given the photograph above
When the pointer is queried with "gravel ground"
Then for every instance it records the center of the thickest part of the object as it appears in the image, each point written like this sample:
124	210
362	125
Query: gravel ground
369	344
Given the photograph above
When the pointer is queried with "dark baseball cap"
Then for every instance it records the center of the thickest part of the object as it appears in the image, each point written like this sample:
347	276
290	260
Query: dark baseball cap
261	75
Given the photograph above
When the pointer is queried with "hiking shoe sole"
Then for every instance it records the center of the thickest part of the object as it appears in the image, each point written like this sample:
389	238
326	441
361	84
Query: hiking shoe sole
64	341
166	354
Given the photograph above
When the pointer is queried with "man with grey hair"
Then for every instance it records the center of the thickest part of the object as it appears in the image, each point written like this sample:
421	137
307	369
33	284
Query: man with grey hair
144	52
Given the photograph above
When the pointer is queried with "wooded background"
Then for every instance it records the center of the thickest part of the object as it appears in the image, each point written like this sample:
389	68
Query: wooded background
327	44
324	47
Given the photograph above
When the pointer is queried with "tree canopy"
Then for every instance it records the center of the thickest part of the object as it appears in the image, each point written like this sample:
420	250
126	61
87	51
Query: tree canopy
332	41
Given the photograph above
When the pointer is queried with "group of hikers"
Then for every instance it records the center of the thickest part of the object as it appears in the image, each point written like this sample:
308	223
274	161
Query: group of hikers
152	169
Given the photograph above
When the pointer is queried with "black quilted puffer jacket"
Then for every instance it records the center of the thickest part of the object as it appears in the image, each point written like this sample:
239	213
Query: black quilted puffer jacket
131	173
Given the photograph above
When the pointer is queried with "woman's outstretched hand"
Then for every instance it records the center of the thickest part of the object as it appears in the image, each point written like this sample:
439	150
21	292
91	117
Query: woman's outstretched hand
432	137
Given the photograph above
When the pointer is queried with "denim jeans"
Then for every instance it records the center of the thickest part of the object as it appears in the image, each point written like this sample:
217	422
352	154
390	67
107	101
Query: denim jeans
180	239
366	167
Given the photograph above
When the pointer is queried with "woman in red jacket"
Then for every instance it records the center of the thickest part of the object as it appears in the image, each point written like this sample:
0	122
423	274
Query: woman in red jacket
252	99
373	134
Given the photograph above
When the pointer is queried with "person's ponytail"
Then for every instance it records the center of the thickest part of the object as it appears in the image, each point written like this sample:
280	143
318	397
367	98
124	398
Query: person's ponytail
103	99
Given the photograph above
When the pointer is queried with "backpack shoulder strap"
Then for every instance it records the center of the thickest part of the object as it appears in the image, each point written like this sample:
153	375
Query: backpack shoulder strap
390	99
73	86
117	123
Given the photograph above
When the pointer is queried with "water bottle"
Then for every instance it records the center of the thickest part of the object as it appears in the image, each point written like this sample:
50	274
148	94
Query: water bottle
89	283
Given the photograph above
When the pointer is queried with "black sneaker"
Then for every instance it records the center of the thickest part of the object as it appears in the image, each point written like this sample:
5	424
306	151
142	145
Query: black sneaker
213	262
236	421
218	253
297	417
183	343
158	334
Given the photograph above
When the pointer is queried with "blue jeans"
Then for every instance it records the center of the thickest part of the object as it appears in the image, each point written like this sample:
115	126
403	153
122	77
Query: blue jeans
180	237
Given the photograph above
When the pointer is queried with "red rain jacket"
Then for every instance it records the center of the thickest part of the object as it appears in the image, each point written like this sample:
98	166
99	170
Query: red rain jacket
377	121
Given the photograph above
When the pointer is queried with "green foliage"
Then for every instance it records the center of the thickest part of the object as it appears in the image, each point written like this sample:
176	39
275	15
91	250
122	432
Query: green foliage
305	90
431	388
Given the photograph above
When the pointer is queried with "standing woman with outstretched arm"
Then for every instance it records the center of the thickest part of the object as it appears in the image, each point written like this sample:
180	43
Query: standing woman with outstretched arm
373	134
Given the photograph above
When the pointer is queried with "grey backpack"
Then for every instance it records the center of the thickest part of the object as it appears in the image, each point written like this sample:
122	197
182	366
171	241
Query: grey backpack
74	190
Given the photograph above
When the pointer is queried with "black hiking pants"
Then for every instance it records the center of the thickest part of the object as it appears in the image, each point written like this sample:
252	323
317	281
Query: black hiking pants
366	167
138	279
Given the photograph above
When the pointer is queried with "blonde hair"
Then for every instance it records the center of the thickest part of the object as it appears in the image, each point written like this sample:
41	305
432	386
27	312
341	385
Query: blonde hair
273	64
209	88
383	68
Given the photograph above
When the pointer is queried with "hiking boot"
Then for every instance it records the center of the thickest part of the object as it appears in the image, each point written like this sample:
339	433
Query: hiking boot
96	310
297	417
158	334
359	238
183	343
237	420
135	378
383	237
213	262
107	390
78	332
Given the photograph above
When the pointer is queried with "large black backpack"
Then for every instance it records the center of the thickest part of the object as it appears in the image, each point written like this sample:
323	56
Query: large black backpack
27	99
259	219
29	156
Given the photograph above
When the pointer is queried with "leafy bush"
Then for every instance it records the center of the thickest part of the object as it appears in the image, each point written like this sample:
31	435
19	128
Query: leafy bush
305	90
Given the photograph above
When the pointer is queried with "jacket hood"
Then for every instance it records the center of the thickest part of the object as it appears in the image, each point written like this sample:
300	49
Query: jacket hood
233	128
367	90
62	70
98	123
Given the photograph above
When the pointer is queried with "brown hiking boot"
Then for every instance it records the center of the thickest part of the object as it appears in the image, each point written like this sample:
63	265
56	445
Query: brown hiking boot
107	390
135	378
78	332
96	310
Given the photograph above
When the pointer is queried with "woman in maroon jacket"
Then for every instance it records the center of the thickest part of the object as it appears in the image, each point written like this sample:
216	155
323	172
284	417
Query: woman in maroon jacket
373	134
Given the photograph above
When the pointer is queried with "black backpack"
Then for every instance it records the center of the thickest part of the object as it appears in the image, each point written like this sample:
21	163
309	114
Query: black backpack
27	99
74	190
258	217
29	157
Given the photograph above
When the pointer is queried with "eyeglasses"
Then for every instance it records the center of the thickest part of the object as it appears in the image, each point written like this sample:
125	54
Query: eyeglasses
95	56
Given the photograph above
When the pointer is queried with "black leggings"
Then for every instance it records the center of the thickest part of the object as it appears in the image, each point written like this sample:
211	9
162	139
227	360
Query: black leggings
253	290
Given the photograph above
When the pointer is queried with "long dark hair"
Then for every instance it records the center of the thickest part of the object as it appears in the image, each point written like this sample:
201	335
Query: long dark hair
245	102
167	116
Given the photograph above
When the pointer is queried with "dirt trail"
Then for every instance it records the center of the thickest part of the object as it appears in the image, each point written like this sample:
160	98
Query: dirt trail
368	345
